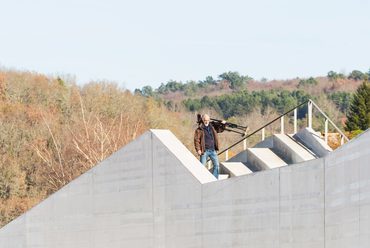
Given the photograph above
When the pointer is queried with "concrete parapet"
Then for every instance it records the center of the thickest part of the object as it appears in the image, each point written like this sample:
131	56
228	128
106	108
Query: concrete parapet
145	196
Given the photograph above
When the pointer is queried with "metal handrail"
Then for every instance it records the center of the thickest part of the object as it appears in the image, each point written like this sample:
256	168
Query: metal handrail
259	129
279	117
335	126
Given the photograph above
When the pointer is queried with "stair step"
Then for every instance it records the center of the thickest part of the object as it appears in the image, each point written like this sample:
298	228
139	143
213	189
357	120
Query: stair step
264	158
223	176
292	152
240	157
313	141
235	168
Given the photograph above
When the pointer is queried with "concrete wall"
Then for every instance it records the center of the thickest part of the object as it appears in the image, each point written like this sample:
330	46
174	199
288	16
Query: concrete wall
154	193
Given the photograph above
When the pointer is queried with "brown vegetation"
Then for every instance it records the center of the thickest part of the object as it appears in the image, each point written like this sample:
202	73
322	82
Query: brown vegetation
51	131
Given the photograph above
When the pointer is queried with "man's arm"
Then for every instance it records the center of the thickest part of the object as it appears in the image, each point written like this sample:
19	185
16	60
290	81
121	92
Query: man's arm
197	142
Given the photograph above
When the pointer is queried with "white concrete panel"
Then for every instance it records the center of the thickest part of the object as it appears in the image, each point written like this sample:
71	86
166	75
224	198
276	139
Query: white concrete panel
14	234
122	207
302	205
342	196
242	211
363	142
176	201
110	205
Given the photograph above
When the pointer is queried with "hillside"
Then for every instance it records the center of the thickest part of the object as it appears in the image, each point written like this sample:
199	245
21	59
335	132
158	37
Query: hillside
52	130
233	95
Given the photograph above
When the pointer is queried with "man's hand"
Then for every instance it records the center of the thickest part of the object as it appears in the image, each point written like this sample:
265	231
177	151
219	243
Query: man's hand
199	152
223	122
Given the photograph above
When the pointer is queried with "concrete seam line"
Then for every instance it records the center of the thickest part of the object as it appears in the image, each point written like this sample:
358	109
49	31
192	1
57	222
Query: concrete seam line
324	179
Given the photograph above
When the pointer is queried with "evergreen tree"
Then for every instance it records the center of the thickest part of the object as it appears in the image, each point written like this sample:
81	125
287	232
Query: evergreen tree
358	117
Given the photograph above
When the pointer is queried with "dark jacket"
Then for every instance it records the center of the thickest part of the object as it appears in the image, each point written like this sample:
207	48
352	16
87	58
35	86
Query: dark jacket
199	142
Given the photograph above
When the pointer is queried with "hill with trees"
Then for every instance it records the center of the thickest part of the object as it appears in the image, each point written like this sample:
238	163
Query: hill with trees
232	94
52	130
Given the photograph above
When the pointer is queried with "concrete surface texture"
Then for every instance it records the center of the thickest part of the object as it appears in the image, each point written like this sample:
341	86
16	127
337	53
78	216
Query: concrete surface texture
313	141
235	169
264	158
155	193
286	147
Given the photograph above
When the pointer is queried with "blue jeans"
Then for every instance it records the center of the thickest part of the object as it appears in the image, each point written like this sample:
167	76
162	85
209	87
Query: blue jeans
213	156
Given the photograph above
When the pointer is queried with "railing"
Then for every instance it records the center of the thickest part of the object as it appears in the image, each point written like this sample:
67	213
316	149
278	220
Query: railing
310	105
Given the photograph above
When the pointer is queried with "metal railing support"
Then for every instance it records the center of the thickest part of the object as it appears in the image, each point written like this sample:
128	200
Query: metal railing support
309	114
227	155
332	123
263	134
245	145
295	121
326	130
282	125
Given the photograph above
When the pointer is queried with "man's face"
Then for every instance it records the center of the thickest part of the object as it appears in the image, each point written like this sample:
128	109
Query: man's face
206	120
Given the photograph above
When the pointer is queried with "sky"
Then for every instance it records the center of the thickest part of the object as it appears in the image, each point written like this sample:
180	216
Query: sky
143	42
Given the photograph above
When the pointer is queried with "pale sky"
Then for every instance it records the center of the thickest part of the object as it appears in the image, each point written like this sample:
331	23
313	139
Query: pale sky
142	42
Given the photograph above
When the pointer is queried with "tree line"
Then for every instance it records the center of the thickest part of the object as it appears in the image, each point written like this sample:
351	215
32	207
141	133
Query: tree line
244	102
234	81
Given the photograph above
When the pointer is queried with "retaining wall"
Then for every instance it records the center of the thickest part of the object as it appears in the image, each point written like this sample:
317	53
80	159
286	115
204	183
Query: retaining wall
154	193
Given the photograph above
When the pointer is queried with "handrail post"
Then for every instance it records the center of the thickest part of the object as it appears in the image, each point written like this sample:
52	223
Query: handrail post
245	144
227	155
295	121
282	125
263	134
330	121
326	130
309	113
341	139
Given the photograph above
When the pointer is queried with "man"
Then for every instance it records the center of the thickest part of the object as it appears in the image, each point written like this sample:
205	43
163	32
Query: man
206	142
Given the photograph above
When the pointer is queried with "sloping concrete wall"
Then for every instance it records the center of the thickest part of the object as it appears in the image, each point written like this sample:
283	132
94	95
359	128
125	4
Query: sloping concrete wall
145	196
131	199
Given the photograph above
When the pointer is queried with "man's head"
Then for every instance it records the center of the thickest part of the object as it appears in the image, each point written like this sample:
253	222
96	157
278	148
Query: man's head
206	119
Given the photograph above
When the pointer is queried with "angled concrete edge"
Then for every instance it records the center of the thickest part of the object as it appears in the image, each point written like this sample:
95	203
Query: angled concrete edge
184	155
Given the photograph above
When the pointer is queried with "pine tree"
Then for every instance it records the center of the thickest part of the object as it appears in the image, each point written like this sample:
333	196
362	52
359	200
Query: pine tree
358	117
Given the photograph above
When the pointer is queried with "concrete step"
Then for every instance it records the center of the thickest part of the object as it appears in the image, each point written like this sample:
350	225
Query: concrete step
287	148
243	156
223	176
235	169
264	158
240	157
313	141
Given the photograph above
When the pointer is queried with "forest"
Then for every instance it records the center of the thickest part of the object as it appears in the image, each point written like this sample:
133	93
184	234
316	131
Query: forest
52	129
